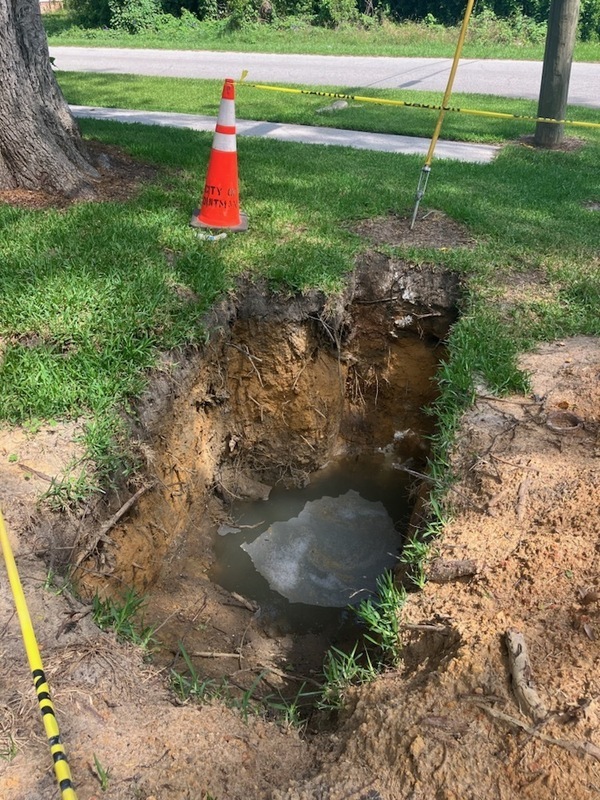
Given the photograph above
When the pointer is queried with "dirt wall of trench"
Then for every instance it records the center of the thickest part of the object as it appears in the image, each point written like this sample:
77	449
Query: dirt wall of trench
283	386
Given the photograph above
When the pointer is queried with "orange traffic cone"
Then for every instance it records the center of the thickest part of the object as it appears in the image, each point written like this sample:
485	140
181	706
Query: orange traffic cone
220	206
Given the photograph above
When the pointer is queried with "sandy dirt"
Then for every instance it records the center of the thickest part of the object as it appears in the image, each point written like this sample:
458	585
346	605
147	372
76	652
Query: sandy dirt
445	726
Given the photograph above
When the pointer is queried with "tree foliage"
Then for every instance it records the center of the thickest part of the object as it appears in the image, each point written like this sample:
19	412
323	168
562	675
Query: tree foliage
89	13
136	15
133	15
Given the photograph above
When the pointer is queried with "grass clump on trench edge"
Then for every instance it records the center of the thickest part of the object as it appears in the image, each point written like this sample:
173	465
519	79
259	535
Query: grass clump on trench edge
93	294
379	650
195	688
124	619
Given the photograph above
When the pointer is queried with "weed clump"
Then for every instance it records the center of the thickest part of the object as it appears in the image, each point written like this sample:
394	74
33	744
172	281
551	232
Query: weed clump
381	648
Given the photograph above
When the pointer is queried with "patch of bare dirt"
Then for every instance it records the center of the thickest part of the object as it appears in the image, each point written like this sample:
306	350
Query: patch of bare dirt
121	177
522	288
29	459
570	144
432	229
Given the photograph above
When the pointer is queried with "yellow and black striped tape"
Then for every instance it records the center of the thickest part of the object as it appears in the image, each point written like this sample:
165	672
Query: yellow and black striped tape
61	765
427	106
57	750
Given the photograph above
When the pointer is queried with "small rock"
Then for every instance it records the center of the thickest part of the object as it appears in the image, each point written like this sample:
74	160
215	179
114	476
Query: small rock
337	105
248	489
416	747
103	161
224	530
441	571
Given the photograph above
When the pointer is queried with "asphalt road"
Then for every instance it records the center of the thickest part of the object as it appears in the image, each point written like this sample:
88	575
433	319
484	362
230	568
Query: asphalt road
503	78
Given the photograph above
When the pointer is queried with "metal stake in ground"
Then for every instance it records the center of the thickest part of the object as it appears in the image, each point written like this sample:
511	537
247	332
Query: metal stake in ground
424	177
61	765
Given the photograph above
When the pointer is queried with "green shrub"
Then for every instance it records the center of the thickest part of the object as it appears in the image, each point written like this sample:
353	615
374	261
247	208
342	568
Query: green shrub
294	8
179	7
134	16
240	13
496	21
452	12
589	20
89	13
207	9
487	27
334	13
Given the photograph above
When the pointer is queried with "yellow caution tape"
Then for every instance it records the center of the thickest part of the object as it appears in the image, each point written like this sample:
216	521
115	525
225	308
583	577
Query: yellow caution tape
429	107
61	765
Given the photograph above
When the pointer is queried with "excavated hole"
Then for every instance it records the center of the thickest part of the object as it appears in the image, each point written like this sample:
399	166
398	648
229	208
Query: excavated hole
293	399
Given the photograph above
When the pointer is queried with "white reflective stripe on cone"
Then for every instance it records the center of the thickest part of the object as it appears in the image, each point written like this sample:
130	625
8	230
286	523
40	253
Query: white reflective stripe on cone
227	113
225	142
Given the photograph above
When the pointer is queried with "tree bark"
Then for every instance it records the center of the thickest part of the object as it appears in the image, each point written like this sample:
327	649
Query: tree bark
556	73
40	144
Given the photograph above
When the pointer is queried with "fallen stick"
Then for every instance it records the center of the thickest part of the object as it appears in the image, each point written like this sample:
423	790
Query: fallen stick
522	498
579	748
246	603
110	524
511	400
241	644
443	629
493	501
101	536
35	472
212	654
290	675
528	699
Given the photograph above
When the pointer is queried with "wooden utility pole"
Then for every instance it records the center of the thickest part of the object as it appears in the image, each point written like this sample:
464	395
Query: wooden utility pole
558	56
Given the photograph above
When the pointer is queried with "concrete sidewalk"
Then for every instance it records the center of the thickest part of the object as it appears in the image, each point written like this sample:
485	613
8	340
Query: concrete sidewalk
385	142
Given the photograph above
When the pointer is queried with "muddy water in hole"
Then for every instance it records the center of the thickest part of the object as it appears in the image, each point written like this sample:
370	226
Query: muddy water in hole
194	612
305	554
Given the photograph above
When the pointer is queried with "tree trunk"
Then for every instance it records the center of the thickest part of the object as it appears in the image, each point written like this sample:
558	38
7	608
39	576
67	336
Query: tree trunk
40	145
558	56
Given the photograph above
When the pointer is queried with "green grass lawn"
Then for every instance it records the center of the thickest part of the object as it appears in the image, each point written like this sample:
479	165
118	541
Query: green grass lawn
191	96
91	295
486	38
